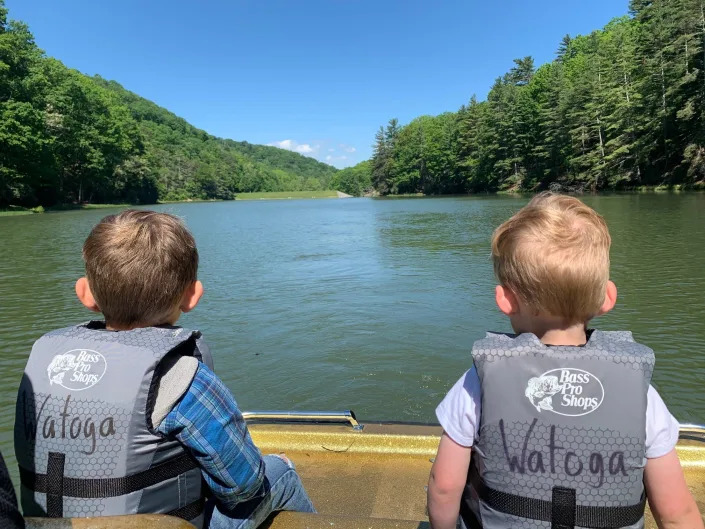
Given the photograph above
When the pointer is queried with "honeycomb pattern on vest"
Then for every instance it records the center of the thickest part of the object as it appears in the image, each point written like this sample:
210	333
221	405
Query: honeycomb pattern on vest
156	339
601	346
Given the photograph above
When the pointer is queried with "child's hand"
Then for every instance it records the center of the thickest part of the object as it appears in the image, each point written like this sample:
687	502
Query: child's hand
671	502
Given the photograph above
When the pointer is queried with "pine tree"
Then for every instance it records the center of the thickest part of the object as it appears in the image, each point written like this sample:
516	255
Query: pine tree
522	73
468	146
552	142
380	159
618	52
565	51
656	109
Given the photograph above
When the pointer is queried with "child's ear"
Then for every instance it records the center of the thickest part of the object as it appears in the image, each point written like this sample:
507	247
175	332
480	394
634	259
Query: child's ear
85	296
506	300
610	298
192	295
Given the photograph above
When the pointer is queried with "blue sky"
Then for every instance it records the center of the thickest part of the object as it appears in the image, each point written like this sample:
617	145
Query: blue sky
315	76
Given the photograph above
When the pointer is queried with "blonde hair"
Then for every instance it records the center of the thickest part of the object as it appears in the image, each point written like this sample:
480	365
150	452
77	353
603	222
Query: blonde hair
138	265
554	255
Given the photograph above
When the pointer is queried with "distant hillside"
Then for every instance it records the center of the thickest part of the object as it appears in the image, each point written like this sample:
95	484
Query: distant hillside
186	157
355	180
66	137
277	158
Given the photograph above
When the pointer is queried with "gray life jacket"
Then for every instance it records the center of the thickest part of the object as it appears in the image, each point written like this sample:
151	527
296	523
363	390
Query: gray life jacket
84	440
562	433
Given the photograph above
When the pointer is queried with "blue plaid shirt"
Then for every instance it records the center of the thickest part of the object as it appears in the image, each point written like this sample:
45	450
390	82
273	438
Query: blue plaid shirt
209	424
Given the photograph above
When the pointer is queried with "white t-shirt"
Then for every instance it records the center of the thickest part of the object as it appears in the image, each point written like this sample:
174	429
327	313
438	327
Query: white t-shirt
459	415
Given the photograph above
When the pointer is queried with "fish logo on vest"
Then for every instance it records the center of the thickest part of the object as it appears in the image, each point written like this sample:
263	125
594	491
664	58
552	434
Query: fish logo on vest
77	369
579	391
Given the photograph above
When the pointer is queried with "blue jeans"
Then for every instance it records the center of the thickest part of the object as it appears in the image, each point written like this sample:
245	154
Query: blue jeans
286	493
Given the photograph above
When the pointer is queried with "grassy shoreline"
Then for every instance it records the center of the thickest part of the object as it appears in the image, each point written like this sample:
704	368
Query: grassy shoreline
13	211
301	195
286	195
264	195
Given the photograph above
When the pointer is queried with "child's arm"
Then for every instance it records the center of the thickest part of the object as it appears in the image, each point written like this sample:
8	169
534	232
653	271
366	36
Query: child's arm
445	486
671	502
209	424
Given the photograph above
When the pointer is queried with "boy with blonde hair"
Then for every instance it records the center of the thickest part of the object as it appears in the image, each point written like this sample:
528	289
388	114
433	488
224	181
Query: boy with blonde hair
125	415
561	421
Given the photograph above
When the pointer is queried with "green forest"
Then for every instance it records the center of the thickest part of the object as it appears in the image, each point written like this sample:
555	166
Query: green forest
66	138
621	108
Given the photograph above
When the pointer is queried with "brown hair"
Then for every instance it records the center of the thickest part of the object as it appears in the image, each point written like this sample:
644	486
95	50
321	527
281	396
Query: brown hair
138	265
554	255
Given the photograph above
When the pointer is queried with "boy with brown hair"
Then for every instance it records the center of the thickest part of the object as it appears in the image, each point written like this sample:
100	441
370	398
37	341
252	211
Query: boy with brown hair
561	421
125	415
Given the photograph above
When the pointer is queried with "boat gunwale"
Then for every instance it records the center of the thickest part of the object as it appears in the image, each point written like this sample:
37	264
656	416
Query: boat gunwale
690	431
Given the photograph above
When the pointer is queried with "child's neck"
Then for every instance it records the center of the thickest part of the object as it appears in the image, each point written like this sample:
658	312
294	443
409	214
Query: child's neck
171	320
571	336
113	327
110	327
552	332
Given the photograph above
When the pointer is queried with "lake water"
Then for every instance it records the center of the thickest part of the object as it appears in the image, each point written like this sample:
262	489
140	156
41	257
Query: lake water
365	304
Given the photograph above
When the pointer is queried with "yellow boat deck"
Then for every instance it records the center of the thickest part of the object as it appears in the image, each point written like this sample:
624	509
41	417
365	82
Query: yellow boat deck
372	478
378	473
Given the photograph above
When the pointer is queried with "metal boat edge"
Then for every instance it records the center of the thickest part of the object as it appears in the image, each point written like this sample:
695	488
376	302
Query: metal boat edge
311	417
687	430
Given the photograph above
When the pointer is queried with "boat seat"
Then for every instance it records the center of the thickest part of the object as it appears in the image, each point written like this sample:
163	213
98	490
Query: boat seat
282	520
299	520
143	521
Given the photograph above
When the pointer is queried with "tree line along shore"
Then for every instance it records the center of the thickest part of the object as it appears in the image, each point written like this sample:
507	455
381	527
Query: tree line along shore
620	108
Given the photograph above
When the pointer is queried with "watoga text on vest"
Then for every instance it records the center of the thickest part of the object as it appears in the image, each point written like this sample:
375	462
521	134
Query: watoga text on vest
533	461
71	427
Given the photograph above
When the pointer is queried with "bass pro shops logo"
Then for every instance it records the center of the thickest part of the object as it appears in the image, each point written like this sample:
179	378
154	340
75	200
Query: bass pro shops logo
576	392
77	369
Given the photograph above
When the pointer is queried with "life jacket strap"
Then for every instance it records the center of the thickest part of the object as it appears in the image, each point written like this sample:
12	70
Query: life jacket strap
562	511
190	511
563	508
56	486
